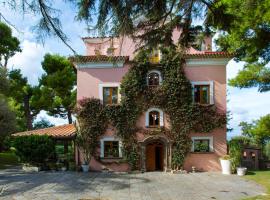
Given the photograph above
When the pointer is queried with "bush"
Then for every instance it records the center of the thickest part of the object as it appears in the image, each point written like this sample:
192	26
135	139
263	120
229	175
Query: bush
236	146
34	149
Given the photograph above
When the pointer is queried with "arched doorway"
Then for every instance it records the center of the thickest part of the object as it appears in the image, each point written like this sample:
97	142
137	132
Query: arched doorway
155	153
155	156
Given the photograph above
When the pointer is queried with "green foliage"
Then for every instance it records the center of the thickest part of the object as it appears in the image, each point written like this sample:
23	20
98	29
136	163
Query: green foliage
4	83
245	30
258	130
9	45
253	75
24	99
57	86
7	121
236	146
43	123
34	149
8	159
92	124
266	150
150	21
174	97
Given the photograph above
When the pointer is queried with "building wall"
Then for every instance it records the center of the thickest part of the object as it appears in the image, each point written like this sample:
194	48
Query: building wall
88	81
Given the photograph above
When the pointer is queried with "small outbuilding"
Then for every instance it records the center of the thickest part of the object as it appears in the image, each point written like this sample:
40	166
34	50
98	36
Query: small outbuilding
251	157
64	136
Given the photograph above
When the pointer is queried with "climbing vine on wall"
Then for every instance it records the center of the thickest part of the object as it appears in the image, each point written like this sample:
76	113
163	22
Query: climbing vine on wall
173	96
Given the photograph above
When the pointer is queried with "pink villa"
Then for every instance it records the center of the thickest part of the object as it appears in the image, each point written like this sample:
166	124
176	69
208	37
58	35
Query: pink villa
99	75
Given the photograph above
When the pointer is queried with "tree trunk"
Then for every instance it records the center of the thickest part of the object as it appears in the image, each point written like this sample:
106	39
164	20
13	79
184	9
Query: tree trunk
27	112
69	117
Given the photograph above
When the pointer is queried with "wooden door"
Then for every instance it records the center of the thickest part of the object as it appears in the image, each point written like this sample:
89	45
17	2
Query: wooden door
150	158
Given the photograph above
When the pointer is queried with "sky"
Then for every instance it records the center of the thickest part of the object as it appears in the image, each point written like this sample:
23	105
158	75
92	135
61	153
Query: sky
244	104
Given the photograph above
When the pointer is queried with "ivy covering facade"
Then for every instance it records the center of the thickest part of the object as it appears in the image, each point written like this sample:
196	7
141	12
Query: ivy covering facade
173	97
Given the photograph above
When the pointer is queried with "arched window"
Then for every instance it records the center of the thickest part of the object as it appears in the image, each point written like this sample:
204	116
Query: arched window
154	78
154	119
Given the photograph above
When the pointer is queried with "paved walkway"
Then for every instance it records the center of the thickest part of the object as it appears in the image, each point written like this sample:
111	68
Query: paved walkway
15	184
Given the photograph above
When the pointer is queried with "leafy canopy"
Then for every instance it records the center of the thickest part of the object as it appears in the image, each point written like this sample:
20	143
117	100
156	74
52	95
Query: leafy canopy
258	130
245	30
58	86
25	99
156	18
9	45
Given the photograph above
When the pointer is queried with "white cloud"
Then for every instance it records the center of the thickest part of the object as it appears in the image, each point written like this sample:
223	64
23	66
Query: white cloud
29	61
55	121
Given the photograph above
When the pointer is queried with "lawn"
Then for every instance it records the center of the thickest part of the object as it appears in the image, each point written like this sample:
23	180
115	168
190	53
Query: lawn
8	159
262	178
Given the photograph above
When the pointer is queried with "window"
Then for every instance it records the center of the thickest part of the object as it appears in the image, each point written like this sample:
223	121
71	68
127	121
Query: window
202	144
111	149
202	94
154	119
154	78
110	95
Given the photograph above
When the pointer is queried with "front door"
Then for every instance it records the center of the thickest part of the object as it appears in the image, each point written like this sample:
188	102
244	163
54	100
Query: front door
154	157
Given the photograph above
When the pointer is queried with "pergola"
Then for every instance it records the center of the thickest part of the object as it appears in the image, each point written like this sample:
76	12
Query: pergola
64	134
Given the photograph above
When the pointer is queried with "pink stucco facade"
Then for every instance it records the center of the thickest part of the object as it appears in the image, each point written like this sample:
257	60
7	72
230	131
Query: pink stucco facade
91	76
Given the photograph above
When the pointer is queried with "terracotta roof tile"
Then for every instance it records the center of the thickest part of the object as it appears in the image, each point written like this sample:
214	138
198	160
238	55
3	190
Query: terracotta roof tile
210	54
95	58
64	131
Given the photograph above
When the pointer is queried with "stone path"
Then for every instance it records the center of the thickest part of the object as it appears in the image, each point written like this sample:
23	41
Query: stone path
18	185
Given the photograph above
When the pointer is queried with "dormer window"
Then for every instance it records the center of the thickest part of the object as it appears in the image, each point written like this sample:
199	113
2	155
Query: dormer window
154	78
154	118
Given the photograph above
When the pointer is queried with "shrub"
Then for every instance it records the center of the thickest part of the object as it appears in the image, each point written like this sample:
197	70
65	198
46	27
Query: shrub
34	149
236	146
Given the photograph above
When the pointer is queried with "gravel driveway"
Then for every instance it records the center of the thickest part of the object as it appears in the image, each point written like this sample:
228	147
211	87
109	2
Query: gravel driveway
15	184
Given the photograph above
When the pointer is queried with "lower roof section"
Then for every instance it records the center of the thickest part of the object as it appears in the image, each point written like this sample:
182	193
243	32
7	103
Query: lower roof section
67	131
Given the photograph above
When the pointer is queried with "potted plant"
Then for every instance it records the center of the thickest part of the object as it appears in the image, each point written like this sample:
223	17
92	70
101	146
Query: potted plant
83	145
236	146
226	164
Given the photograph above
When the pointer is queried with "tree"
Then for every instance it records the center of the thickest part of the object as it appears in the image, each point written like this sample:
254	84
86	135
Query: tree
245	31
253	75
258	130
58	86
156	18
7	121
43	123
9	45
25	99
7	117
4	84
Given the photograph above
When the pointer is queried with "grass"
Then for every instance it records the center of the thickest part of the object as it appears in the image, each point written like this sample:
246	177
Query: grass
262	178
8	159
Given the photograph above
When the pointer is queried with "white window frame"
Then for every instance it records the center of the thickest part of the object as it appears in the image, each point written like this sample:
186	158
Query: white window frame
161	116
211	87
210	138
102	85
154	71
110	139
